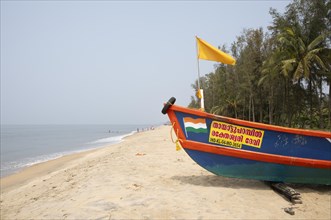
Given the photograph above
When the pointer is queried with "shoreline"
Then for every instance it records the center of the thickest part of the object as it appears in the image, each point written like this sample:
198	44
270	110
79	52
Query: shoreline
28	145
144	177
95	145
29	172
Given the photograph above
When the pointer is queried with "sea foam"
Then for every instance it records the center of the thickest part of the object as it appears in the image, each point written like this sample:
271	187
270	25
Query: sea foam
24	146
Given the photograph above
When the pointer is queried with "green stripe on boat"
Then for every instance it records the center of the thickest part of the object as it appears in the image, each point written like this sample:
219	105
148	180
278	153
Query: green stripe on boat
196	130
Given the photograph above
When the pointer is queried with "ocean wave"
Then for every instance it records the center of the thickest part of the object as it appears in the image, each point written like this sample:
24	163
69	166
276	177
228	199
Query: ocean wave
14	166
114	139
11	167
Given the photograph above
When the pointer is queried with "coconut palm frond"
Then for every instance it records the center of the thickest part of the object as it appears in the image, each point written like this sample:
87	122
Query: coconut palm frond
298	71
289	31
288	66
316	42
301	45
263	78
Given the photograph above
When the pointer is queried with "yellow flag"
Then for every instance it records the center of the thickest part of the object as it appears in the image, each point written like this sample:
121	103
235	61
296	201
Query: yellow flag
208	52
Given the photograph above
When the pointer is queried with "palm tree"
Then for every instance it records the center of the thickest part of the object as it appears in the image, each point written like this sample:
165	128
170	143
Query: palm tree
302	60
301	57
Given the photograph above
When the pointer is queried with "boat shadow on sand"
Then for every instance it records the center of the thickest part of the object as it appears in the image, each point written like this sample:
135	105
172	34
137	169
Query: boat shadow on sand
311	188
219	181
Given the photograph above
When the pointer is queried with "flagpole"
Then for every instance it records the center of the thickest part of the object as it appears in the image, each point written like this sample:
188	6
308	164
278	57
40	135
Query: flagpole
197	51
200	91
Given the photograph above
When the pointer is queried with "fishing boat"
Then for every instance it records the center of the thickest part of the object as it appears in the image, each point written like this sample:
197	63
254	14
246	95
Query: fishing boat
243	149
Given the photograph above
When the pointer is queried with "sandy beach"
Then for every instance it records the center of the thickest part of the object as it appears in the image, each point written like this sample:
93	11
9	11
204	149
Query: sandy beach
144	177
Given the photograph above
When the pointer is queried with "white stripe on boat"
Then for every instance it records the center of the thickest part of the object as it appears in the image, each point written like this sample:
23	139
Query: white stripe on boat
196	126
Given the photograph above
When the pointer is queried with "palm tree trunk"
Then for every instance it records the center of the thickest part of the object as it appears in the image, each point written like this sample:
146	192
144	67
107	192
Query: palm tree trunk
271	105
329	123
260	105
310	102
253	109
320	100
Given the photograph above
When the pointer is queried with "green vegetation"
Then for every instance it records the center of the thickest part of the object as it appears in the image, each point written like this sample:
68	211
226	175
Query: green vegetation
282	76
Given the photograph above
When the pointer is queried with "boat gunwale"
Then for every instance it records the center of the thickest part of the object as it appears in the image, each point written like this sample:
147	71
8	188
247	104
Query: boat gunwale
317	133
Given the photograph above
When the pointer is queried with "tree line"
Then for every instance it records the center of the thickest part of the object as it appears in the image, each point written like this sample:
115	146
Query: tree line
282	76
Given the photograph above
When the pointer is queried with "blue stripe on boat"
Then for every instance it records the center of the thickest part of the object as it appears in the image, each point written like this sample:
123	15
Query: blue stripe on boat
249	169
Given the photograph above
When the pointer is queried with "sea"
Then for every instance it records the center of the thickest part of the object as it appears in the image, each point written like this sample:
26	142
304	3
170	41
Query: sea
26	145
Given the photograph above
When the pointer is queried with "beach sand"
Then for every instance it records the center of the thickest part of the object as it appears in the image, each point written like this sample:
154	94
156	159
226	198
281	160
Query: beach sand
144	177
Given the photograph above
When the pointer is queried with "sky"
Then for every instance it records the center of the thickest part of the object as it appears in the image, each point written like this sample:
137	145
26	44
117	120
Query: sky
111	62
